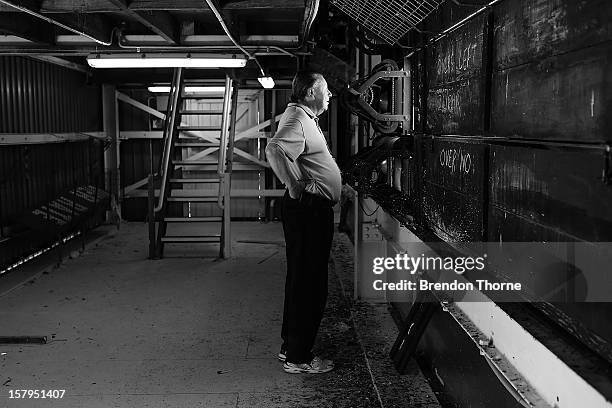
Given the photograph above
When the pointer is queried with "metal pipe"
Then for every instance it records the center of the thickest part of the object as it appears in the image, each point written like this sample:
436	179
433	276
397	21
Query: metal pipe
455	26
285	52
553	144
601	146
229	35
465	20
311	18
252	55
84	51
57	23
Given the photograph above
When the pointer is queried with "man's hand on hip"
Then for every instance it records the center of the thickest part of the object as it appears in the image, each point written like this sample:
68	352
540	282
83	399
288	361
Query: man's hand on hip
295	191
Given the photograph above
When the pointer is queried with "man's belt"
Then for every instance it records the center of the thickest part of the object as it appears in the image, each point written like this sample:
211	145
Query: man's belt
313	200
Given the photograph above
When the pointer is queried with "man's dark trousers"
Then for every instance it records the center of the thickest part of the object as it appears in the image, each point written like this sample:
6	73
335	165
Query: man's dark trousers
309	227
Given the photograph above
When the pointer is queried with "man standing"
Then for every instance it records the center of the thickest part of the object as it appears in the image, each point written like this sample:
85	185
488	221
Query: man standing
300	157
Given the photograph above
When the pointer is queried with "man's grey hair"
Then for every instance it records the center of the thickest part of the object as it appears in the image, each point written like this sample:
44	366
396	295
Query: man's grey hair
302	82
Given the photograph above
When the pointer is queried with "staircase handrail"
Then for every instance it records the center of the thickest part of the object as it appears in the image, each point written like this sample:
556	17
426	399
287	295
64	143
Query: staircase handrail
173	98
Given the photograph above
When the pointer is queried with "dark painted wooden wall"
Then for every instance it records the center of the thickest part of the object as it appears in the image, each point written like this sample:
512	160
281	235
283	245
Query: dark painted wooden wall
551	69
514	115
522	71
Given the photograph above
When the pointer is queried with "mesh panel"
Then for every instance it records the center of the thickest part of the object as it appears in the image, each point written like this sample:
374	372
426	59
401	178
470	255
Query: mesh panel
388	19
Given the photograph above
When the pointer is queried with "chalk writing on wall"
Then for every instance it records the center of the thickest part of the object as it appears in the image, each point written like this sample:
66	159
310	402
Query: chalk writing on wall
456	160
457	58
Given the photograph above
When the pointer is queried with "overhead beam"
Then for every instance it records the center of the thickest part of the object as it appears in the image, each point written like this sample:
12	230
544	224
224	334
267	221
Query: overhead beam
181	5
101	6
227	5
160	22
263	4
30	4
62	63
94	27
70	6
27	27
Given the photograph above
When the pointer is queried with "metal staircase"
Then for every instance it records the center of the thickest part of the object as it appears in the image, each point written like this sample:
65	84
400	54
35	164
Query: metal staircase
179	138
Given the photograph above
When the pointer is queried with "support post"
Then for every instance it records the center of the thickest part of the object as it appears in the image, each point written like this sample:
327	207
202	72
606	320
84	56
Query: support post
226	243
225	125
270	181
229	157
151	217
111	155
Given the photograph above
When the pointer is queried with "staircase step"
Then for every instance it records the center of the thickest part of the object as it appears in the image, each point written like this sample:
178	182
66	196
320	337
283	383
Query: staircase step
236	166
201	96
193	199
186	138
193	219
201	112
197	238
193	162
196	144
195	128
195	180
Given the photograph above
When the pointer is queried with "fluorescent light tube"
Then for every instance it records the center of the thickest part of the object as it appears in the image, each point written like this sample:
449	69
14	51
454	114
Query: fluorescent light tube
145	60
266	82
189	89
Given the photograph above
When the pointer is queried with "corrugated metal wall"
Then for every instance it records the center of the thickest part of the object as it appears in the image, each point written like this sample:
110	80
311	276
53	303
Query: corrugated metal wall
37	97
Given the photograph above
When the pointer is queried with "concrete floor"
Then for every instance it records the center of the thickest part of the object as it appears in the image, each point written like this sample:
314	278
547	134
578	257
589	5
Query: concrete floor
188	331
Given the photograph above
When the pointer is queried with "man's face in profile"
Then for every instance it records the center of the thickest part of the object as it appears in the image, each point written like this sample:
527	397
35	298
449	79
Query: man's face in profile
321	95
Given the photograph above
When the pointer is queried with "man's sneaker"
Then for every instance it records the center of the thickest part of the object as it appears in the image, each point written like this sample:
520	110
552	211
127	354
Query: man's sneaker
282	355
316	366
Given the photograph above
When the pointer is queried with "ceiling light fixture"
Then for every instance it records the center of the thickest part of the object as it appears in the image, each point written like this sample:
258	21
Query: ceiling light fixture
166	61
266	81
189	89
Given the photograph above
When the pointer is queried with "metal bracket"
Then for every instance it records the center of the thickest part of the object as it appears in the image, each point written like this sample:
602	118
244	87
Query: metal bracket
412	330
369	82
379	75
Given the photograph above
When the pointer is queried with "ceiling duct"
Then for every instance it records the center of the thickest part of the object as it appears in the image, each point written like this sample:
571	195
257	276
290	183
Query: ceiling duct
389	20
